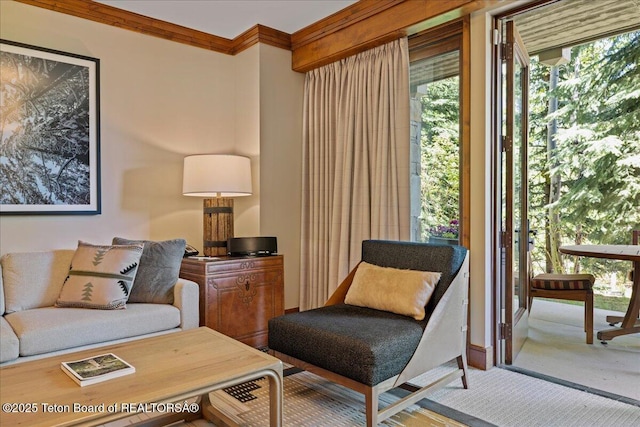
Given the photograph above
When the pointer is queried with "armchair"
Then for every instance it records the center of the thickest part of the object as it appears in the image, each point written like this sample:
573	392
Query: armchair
372	351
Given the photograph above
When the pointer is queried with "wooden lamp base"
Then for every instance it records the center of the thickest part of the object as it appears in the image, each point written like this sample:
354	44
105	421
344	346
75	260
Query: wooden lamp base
218	225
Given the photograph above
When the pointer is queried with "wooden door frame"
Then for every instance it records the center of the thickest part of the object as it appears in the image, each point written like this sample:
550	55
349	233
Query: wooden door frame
500	239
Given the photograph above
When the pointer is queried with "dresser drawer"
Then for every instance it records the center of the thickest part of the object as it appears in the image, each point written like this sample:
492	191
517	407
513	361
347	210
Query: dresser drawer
238	296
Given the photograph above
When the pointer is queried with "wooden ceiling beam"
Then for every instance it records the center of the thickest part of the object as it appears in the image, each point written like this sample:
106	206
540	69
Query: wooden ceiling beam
346	17
370	23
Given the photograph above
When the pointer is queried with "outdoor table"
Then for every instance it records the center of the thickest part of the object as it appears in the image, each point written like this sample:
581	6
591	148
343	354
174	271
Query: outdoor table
630	322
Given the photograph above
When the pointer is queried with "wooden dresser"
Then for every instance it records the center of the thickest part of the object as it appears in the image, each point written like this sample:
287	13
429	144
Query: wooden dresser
238	295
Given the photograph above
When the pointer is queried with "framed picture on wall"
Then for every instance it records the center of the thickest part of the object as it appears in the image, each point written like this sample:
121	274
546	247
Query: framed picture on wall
49	131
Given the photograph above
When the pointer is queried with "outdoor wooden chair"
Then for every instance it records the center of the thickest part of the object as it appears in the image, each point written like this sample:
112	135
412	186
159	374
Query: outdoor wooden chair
573	287
370	350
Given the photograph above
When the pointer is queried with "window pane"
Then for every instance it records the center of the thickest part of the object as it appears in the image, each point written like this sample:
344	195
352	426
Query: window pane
435	147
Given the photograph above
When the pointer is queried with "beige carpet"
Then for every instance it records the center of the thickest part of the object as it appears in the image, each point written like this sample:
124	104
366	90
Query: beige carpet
497	397
311	401
506	398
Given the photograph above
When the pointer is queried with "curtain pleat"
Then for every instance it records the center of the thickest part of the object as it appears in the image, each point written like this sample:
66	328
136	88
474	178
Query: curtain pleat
355	163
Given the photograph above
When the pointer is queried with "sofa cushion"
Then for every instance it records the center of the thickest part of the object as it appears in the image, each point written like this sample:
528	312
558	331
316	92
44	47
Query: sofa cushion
9	344
360	343
34	279
399	291
101	276
565	282
48	329
159	269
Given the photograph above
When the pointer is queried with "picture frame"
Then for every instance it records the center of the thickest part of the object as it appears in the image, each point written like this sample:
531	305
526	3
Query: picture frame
50	132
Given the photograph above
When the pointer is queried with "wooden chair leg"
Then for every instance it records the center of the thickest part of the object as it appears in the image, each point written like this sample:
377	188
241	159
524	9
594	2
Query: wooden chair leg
371	406
588	316
462	364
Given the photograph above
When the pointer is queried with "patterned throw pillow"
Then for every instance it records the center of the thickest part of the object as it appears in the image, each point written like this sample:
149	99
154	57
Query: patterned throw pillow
100	276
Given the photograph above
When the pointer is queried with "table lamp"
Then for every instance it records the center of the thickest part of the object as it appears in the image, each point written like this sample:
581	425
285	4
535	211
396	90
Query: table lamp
218	178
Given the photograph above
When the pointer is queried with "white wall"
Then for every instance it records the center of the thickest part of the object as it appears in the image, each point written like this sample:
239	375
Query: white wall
160	101
281	95
481	322
481	284
247	136
268	125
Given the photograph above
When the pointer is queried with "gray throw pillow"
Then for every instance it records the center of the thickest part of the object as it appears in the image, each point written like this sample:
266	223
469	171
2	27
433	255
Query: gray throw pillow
158	271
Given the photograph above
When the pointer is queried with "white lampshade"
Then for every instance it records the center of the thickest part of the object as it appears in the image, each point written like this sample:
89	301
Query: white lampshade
221	175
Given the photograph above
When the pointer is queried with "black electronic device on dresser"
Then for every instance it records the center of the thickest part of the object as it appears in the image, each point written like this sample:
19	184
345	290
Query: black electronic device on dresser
252	246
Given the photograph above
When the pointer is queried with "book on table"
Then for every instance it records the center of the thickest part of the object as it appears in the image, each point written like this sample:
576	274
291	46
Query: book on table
96	369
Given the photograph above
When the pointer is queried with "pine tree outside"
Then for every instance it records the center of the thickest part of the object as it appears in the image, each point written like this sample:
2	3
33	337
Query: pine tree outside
584	156
440	157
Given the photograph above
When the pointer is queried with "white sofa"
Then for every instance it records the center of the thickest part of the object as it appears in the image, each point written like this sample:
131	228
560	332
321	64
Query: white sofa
33	327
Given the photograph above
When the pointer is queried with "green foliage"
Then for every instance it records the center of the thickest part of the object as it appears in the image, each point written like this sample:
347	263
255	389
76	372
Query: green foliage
597	156
440	157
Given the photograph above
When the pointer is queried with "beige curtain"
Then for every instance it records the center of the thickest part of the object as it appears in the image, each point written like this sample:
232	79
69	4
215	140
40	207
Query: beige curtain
355	165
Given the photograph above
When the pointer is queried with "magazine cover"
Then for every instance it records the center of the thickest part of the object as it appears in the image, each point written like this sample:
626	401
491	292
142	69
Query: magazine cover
97	368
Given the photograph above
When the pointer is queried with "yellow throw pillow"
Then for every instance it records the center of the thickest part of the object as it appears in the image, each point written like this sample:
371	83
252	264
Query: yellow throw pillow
100	276
399	291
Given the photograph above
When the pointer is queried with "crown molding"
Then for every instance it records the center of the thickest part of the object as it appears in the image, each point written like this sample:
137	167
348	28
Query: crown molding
358	27
261	34
105	14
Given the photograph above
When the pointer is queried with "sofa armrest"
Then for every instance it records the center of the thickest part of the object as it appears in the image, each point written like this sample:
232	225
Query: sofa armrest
186	296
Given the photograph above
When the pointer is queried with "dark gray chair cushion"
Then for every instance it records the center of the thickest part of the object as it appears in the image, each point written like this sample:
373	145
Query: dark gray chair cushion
360	343
367	345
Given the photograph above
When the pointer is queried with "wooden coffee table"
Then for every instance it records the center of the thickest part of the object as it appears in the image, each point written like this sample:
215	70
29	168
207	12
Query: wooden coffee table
170	369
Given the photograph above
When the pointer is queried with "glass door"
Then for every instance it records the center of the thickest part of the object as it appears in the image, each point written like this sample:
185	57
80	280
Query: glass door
515	227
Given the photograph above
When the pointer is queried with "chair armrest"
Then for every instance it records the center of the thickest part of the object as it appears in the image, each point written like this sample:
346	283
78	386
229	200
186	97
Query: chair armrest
445	336
186	295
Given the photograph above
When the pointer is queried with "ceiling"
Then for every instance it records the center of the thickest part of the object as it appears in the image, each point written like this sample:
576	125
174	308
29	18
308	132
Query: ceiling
565	23
230	18
573	22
